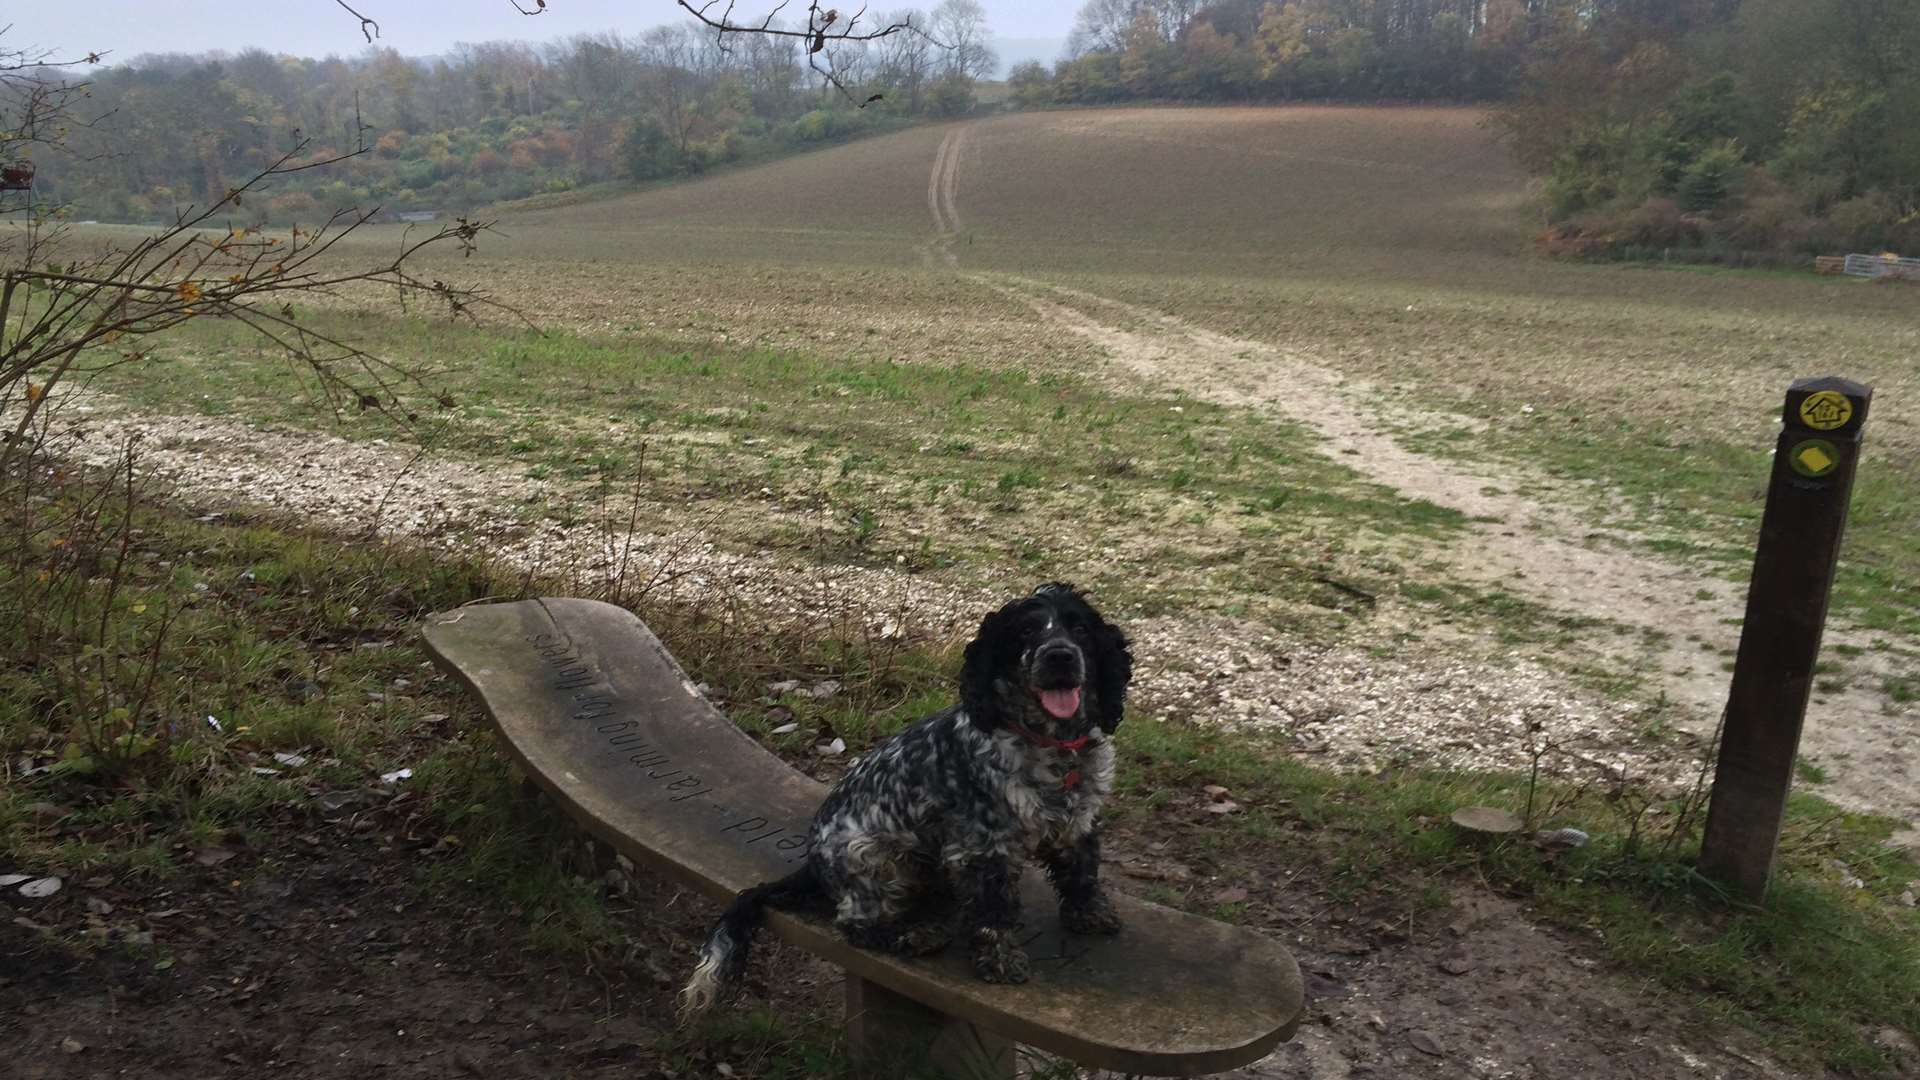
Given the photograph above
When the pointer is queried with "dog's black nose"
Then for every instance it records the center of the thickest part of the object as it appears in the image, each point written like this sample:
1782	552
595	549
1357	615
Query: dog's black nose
1063	658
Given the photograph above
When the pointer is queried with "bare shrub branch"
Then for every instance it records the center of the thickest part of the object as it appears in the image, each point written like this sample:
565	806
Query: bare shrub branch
819	30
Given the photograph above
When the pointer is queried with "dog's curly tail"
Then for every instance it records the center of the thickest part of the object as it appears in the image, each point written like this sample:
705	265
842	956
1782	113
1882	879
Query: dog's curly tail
723	959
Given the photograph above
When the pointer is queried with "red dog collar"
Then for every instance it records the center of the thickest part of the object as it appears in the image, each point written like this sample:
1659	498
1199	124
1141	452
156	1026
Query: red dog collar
1071	746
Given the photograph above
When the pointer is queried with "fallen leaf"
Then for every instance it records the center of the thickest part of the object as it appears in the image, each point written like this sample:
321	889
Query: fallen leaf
1216	792
1158	871
71	1045
396	776
825	689
262	770
291	761
8	881
97	906
1392	930
785	729
832	749
1224	806
1425	1043
40	888
1486	819
213	856
1324	987
784	686
1563	839
1230	895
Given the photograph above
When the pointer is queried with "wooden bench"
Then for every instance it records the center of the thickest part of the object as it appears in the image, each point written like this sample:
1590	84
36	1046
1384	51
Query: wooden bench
599	714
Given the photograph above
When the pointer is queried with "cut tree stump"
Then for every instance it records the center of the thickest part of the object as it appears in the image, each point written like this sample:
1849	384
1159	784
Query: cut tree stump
601	717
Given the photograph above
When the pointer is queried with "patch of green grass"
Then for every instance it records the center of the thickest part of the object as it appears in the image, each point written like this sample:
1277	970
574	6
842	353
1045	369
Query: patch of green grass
691	430
1014	479
1810	972
513	847
1707	495
1788	970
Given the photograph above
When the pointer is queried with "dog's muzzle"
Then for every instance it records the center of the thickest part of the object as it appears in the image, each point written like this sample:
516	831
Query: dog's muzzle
1057	672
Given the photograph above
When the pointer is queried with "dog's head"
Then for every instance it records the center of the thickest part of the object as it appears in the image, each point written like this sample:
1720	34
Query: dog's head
1049	663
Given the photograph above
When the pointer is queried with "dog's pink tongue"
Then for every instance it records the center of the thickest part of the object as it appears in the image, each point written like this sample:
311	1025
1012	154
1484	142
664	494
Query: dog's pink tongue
1061	703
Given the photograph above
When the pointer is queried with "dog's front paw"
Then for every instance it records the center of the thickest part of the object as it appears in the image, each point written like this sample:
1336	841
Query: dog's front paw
1096	916
923	939
998	958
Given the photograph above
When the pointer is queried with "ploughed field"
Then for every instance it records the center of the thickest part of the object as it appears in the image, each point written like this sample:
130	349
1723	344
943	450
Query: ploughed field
1294	368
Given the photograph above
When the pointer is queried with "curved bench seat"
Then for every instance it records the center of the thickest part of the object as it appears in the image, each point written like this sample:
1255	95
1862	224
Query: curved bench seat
599	714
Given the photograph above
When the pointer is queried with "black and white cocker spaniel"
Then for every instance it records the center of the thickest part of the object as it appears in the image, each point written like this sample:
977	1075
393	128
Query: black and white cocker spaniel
950	807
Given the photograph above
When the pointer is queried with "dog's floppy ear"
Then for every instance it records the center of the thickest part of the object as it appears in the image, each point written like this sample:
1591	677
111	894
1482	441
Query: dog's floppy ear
990	654
1113	670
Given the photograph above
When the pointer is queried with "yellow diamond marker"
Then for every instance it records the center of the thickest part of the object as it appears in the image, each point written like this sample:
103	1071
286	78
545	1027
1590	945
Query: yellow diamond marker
1814	458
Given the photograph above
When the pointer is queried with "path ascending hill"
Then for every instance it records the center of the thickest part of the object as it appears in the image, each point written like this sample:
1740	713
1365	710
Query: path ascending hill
1540	545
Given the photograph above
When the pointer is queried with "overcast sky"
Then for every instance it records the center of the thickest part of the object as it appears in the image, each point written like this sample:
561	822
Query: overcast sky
128	28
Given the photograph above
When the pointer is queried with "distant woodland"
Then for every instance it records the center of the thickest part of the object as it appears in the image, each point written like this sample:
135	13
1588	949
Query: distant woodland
1729	126
493	121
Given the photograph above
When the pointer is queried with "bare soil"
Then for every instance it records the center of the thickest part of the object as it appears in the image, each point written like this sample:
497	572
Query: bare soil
318	955
314	954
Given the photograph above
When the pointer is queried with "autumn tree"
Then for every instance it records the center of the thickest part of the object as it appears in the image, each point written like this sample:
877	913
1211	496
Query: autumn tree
960	27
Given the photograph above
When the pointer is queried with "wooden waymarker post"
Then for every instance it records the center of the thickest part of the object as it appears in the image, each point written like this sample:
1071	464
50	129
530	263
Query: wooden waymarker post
1793	567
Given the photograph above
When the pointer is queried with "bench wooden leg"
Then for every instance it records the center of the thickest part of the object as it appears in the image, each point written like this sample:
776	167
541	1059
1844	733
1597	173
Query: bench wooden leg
889	1034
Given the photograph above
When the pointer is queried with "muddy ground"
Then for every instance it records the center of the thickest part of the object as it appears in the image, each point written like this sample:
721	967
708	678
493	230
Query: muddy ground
316	954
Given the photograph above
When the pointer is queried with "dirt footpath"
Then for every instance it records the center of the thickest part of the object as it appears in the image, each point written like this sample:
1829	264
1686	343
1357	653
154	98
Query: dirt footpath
1539	546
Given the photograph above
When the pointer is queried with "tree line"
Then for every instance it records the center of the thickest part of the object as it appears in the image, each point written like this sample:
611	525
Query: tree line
492	121
1716	127
1278	50
1727	128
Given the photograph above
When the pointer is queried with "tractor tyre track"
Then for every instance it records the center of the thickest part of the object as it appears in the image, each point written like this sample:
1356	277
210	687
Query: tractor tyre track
942	201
